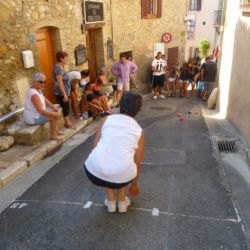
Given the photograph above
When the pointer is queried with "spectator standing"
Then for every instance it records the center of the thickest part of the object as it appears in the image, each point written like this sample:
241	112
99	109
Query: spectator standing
132	76
35	111
210	77
122	69
172	79
74	80
62	86
158	68
116	157
190	80
183	81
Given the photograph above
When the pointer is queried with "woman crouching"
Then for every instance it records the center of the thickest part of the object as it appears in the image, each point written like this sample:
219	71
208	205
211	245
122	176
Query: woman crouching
115	160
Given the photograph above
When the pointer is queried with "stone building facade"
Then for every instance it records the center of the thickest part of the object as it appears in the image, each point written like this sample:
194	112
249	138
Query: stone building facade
46	26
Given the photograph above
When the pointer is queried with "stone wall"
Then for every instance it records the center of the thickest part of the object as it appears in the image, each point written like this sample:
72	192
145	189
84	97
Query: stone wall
132	33
19	22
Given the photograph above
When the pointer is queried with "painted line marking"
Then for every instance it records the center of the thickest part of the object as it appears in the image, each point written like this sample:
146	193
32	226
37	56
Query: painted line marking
18	205
155	212
140	209
88	204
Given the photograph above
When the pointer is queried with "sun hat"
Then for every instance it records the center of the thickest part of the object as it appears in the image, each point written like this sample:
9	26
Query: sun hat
74	75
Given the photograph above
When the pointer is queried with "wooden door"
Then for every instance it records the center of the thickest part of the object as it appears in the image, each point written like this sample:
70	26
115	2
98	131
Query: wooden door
91	54
172	55
46	60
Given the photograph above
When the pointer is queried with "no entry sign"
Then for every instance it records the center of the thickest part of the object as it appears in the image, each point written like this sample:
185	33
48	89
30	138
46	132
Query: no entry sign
166	38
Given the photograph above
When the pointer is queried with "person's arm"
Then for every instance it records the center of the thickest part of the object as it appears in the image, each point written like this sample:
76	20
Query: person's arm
98	132
38	105
153	67
114	70
134	190
133	68
61	87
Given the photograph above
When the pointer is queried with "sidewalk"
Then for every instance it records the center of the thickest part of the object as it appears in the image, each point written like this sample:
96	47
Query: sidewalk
18	158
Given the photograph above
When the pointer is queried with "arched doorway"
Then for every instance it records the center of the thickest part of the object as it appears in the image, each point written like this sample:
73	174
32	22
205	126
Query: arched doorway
44	43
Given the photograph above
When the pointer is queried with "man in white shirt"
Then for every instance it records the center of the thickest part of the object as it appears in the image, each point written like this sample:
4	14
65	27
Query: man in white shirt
159	67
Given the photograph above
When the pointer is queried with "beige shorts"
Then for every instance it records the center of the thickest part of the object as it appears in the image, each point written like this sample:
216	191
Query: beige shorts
122	86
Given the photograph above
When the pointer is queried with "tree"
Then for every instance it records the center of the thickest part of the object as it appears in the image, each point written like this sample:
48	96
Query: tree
204	47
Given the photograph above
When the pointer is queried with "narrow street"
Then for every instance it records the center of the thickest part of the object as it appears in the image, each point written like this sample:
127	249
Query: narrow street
183	204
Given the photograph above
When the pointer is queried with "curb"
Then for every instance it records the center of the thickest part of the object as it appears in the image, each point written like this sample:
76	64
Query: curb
19	167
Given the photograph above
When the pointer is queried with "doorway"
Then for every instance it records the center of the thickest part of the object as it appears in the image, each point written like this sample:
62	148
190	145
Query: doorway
44	45
173	54
91	53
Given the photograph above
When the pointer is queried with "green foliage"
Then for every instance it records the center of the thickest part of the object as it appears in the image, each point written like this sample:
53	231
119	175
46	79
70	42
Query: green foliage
111	78
204	47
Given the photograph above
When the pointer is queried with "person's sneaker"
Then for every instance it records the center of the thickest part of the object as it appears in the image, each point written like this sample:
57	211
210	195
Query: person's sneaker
123	205
155	97
85	115
111	205
162	96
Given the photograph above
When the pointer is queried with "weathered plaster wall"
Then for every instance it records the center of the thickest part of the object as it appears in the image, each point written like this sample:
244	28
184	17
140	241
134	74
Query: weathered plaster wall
131	33
239	89
19	20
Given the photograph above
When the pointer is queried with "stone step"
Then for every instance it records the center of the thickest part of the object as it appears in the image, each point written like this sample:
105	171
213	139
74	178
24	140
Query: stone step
30	134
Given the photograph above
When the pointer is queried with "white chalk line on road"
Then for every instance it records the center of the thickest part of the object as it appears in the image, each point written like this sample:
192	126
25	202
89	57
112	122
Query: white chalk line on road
154	211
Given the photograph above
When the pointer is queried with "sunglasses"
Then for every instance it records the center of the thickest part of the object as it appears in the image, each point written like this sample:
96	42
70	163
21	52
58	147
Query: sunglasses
42	82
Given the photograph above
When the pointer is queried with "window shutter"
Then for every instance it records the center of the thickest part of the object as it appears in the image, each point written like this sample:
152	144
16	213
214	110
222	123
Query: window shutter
198	5
159	8
144	9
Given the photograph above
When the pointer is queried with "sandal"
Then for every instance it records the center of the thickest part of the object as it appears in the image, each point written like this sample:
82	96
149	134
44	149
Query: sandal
69	126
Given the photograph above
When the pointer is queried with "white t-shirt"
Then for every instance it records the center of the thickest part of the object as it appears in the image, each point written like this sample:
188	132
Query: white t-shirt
30	112
159	65
112	159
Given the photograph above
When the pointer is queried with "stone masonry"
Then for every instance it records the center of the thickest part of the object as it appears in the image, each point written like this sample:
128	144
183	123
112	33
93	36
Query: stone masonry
20	20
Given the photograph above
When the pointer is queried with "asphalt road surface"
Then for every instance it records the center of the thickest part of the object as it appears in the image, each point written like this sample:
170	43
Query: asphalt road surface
183	204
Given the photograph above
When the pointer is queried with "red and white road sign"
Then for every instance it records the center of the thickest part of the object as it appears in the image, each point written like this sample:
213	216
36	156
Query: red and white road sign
166	38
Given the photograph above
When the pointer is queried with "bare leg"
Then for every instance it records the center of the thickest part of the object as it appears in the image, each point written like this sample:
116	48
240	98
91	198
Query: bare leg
168	87
119	95
186	89
155	91
121	194
160	90
74	105
193	86
110	194
67	122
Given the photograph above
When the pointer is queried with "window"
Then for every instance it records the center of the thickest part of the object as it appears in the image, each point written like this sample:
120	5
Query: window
151	9
195	4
